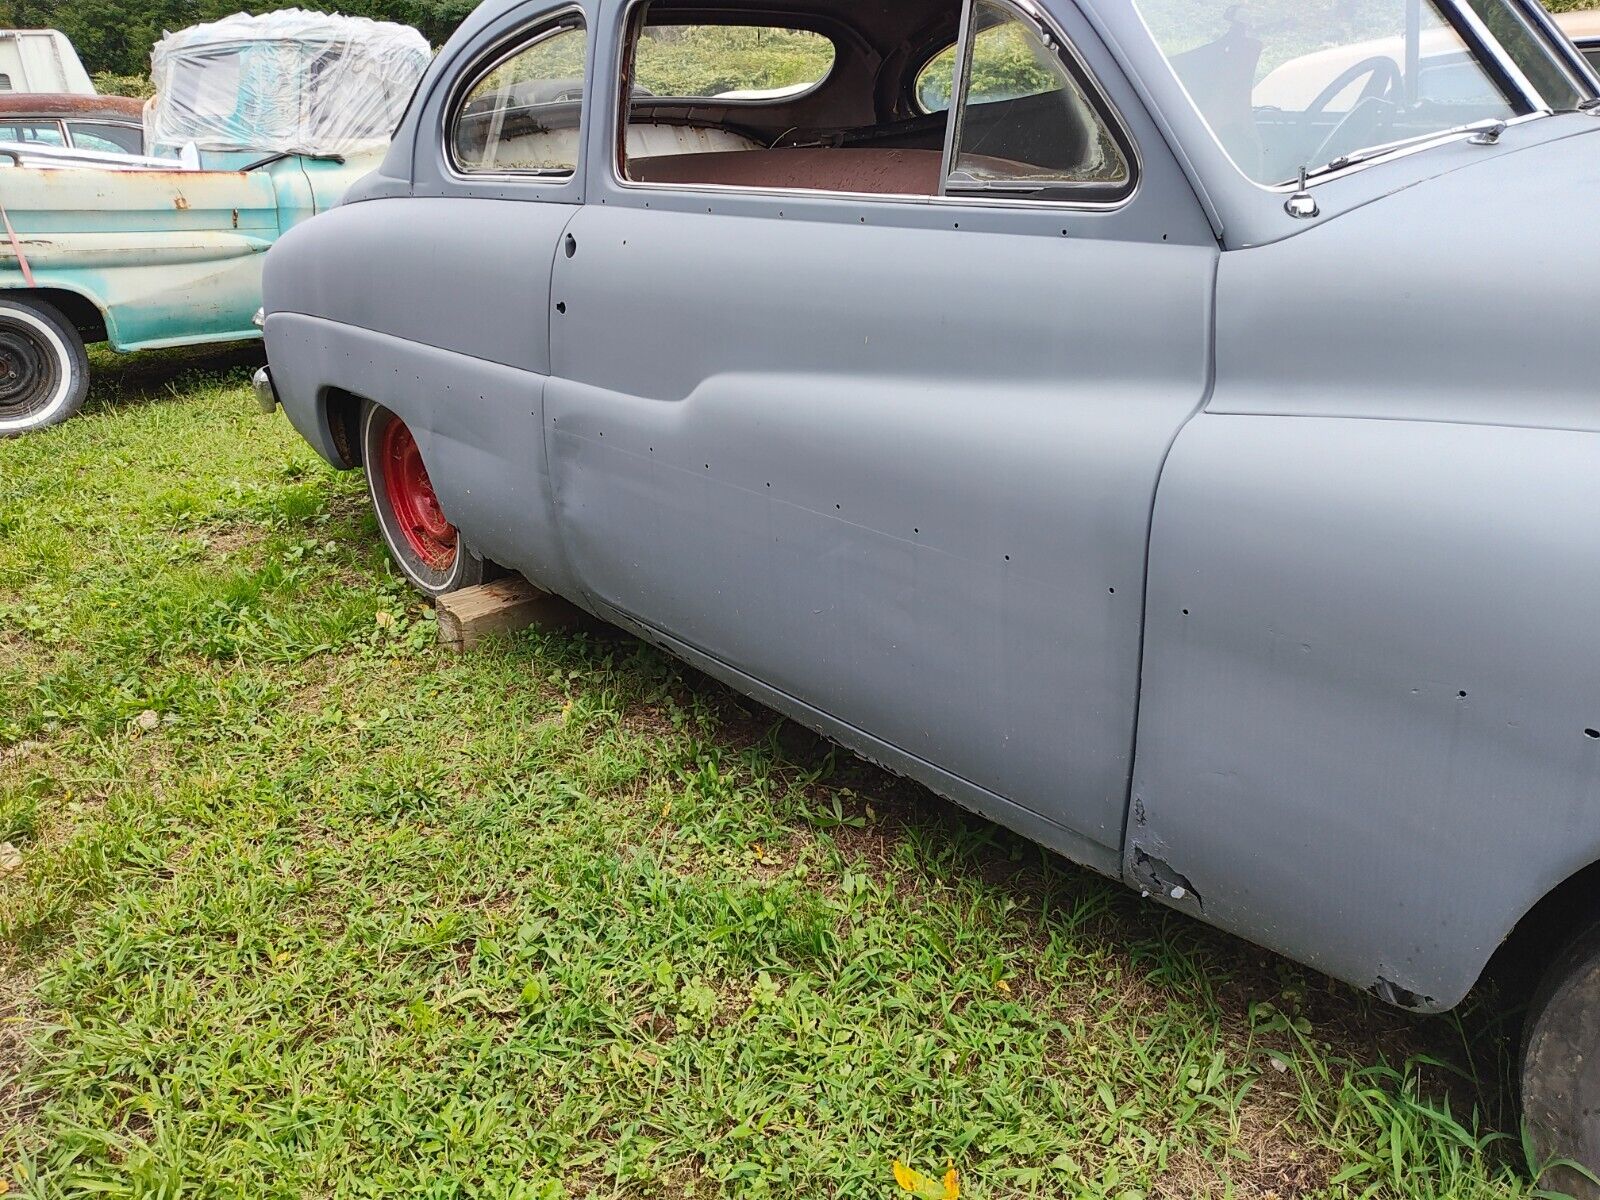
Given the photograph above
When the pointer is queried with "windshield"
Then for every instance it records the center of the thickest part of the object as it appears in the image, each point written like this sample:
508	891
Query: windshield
1292	85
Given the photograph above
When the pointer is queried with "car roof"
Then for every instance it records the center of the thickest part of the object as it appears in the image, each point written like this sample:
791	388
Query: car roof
65	104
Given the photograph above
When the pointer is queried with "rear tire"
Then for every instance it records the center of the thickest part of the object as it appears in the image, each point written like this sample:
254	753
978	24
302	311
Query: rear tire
44	370
429	551
1561	1067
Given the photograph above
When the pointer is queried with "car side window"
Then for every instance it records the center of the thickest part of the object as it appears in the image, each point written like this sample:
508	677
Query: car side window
521	113
1024	121
45	133
107	137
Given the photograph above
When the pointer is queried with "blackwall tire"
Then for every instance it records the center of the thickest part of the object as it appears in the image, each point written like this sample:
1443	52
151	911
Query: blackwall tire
429	551
44	370
1561	1068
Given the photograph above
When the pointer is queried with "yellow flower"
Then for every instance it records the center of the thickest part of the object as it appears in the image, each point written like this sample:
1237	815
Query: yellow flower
928	1189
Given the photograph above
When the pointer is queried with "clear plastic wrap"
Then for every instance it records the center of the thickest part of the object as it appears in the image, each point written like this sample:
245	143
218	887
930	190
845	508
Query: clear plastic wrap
283	82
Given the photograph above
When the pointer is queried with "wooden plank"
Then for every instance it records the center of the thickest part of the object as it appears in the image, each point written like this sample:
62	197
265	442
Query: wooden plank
503	606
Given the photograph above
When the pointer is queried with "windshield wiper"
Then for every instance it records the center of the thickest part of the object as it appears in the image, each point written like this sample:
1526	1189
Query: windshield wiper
1488	130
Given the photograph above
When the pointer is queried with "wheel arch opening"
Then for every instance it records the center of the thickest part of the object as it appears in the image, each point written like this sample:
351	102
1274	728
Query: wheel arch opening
84	314
342	412
1519	962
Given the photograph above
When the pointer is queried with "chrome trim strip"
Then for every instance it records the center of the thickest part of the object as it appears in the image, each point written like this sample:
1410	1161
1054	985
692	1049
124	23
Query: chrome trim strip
963	200
497	55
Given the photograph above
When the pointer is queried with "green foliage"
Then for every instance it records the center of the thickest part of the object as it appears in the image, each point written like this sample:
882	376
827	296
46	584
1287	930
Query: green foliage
706	60
108	84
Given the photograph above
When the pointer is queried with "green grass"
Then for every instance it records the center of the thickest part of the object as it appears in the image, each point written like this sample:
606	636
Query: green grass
308	908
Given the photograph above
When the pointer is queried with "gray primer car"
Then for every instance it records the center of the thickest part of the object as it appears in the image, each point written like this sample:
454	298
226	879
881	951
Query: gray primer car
1206	489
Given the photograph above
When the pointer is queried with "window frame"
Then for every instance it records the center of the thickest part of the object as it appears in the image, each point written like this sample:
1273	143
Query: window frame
525	37
1100	107
1013	198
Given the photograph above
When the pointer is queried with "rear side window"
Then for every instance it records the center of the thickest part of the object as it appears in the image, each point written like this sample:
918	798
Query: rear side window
728	62
522	112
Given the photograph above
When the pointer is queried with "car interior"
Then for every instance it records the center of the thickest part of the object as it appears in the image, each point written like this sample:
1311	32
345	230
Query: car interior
1278	106
832	96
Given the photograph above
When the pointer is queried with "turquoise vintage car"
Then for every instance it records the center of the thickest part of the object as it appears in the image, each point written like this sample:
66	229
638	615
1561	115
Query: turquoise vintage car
257	124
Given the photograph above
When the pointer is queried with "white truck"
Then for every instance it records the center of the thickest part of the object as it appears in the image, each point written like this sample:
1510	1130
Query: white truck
41	60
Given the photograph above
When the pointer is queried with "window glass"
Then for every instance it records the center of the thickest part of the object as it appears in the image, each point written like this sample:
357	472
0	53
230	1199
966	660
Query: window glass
729	62
1556	85
1316	84
106	137
936	81
44	133
1024	121
523	115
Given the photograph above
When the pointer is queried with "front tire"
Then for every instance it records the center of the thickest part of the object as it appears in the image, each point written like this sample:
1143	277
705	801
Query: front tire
44	370
1561	1068
427	548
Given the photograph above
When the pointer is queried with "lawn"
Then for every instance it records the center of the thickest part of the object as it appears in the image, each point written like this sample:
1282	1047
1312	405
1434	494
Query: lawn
306	907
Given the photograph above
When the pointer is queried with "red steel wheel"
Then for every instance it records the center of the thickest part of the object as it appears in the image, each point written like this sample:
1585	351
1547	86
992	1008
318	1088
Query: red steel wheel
426	547
422	522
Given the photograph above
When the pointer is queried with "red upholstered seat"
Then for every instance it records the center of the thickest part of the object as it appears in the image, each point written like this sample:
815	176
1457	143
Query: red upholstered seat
880	172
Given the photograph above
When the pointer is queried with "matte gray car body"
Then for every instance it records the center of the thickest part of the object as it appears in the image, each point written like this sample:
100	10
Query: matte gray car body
1247	558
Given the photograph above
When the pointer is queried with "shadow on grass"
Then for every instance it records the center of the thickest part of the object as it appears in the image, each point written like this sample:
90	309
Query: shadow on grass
148	376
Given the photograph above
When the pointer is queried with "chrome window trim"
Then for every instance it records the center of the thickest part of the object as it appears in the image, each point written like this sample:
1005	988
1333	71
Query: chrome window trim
961	200
959	70
1490	46
503	50
1584	73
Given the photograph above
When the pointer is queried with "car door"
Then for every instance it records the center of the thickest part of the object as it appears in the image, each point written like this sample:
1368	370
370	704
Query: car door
888	461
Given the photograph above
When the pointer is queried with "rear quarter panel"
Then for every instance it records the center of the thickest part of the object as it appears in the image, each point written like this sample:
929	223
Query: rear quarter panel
438	309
